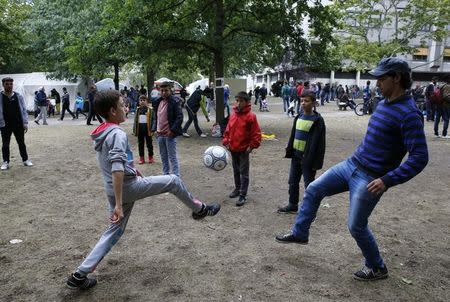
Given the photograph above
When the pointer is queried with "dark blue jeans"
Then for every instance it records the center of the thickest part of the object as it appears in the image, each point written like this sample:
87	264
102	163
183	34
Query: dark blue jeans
343	177
295	174
445	114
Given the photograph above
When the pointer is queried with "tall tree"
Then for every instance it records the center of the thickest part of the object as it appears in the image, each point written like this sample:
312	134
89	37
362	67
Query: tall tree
14	56
373	29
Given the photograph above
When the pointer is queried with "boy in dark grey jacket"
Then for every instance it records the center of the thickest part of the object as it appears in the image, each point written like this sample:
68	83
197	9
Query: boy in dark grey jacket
306	147
124	184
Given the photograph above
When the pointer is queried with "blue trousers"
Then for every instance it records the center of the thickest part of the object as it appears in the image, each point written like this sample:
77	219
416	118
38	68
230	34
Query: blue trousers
168	153
342	177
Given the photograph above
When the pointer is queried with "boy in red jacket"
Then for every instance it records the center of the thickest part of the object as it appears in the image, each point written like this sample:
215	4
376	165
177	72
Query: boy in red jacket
241	136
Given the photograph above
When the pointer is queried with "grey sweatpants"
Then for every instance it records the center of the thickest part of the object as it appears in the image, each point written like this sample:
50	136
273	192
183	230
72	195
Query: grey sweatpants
139	189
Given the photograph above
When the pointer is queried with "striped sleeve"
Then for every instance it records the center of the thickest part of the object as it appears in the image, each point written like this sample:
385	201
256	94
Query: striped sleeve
415	142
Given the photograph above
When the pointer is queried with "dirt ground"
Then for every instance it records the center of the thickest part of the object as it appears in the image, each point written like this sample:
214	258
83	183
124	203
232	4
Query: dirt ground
58	208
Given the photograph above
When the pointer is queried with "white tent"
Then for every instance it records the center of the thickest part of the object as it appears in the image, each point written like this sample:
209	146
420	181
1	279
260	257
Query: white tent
27	83
107	84
202	83
176	86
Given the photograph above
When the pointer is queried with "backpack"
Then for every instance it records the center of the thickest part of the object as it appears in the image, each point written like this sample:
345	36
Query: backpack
436	97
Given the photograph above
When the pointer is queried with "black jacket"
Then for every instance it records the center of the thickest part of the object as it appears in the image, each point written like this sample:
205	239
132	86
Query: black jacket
175	115
194	100
315	145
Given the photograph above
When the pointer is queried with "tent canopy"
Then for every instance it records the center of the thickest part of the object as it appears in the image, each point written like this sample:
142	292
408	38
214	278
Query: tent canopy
27	83
107	84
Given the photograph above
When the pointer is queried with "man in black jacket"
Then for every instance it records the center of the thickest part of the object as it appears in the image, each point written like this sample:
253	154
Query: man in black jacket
194	103
92	113
306	147
13	120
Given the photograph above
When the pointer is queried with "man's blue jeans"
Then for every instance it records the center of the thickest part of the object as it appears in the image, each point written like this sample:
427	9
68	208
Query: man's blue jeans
444	113
285	103
342	177
168	153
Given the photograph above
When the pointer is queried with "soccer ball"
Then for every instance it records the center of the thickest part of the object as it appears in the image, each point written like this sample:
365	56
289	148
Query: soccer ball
216	158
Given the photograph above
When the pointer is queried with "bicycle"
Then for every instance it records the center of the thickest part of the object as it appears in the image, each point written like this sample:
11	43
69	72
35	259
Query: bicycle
366	107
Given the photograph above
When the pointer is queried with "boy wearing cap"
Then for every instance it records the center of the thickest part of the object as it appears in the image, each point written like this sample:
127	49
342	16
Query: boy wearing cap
241	136
395	128
167	126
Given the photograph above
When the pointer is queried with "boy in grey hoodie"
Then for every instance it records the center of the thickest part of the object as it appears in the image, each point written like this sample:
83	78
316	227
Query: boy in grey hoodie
124	184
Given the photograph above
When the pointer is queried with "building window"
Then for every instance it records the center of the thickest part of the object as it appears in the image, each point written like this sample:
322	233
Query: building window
421	54
447	54
259	79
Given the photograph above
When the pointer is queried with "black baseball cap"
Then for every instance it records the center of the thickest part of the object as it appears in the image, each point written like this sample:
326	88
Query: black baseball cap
390	65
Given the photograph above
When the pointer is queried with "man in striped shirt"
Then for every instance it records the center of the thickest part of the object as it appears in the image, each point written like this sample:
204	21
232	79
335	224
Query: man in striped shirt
395	128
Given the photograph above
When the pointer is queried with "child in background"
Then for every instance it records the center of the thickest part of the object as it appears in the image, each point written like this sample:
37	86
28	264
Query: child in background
124	185
306	148
241	136
79	103
142	128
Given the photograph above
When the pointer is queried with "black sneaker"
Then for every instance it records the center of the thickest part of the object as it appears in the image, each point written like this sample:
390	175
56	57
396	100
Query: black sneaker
234	194
76	281
290	238
208	210
242	200
289	209
368	274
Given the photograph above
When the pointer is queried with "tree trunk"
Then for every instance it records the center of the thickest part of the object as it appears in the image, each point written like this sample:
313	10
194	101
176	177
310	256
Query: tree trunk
218	61
150	75
116	76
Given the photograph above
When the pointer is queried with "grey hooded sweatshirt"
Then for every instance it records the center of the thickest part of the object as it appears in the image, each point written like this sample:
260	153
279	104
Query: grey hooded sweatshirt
113	154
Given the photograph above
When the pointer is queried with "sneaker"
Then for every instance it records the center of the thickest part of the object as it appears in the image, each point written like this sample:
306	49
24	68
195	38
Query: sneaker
207	210
368	274
5	165
44	123
437	135
76	281
289	209
242	200
234	194
27	163
37	122
141	160
151	160
203	135
186	135
290	238
447	136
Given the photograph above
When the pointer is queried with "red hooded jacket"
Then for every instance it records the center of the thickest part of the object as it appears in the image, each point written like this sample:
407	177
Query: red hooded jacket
242	130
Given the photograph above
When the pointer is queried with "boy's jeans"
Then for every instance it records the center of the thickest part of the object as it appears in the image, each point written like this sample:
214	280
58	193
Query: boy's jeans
445	114
342	177
295	174
168	152
141	188
241	167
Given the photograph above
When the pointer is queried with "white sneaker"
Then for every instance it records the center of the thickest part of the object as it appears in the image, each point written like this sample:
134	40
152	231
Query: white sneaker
203	135
437	135
186	135
447	136
27	163
5	166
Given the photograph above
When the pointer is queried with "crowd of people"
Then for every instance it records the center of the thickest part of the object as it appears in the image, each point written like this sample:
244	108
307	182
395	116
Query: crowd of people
395	129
